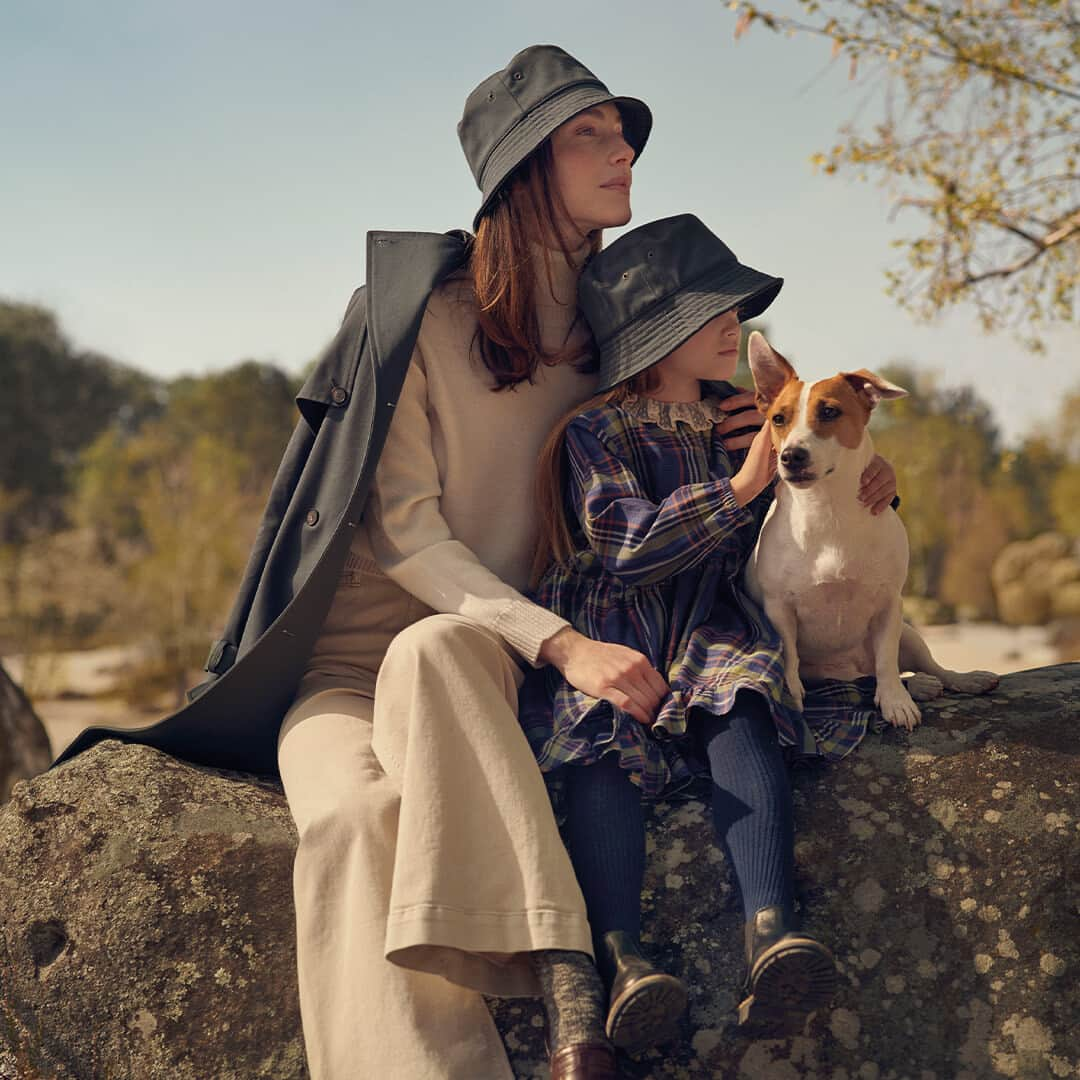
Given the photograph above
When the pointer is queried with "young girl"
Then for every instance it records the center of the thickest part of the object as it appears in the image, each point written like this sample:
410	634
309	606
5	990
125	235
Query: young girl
649	520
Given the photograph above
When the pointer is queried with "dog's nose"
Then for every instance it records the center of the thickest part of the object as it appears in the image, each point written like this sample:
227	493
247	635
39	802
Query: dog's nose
794	457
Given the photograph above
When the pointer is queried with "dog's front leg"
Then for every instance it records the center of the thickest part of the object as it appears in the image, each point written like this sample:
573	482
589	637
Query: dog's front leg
781	614
891	697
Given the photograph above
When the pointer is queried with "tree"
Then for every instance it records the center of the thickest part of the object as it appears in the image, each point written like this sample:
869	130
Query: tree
978	136
960	502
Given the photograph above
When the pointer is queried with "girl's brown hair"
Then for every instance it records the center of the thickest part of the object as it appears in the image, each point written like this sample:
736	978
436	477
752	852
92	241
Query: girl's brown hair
554	542
525	214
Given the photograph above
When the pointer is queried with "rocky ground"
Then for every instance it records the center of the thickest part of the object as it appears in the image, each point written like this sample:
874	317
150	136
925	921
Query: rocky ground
146	920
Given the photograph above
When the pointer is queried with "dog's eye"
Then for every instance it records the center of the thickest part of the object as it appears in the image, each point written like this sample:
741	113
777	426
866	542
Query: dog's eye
828	412
778	420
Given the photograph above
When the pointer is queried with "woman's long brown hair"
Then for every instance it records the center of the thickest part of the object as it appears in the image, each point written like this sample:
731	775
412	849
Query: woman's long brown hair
525	214
554	541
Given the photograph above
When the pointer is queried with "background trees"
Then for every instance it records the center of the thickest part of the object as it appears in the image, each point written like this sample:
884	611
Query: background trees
974	126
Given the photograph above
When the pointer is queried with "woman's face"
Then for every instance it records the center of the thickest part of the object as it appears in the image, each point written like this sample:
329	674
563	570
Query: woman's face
592	169
711	353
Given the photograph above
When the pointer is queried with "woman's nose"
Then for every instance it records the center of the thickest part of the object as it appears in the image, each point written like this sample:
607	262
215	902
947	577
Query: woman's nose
622	152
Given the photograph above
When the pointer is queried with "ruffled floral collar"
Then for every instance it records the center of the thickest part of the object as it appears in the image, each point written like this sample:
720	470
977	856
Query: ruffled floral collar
698	415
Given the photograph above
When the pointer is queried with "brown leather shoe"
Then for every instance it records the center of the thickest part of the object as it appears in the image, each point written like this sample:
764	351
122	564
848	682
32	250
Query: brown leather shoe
789	975
643	1003
584	1061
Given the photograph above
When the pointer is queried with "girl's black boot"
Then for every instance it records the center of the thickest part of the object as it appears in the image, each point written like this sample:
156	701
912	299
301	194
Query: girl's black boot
789	974
644	1002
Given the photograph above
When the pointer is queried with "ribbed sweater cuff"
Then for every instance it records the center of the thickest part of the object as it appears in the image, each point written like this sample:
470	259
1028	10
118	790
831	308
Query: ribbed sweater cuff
525	626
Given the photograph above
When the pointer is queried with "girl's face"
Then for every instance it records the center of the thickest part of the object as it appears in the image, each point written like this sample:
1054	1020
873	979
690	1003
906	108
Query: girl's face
592	169
711	353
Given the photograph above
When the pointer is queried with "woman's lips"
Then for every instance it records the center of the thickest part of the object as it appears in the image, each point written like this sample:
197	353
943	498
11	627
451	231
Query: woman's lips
617	185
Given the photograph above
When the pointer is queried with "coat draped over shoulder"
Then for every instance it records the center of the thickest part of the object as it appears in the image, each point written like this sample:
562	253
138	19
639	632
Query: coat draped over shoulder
316	501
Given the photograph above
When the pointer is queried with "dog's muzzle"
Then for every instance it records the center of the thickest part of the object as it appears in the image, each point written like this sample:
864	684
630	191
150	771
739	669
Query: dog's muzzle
795	465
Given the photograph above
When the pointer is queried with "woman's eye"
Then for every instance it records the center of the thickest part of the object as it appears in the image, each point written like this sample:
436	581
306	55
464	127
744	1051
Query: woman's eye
778	420
586	131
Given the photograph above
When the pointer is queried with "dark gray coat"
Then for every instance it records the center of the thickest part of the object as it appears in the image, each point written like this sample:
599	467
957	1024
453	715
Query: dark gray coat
316	501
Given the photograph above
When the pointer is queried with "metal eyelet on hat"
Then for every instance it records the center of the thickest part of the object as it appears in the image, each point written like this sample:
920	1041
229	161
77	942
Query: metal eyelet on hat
648	254
626	274
491	95
518	76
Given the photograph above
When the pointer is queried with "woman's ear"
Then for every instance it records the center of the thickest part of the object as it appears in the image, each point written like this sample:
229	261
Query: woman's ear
770	370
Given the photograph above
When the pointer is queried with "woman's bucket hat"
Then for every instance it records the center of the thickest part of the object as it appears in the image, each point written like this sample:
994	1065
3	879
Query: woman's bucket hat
513	111
659	284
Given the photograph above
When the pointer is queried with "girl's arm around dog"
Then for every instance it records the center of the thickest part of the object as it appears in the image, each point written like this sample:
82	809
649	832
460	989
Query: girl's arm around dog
642	541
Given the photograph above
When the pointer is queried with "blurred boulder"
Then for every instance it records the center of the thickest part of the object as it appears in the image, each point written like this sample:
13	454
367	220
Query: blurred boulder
24	744
149	902
1036	580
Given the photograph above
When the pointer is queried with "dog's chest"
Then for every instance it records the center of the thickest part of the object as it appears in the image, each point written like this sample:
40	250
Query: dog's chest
848	556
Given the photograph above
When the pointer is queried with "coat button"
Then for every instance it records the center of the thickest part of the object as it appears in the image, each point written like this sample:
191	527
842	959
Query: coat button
339	395
312	517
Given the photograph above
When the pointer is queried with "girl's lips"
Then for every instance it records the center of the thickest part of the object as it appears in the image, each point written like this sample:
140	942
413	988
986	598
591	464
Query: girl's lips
617	185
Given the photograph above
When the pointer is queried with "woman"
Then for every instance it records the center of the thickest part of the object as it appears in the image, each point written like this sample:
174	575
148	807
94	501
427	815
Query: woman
429	866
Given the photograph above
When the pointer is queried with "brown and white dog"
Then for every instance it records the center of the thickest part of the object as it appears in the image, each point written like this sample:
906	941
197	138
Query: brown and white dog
827	572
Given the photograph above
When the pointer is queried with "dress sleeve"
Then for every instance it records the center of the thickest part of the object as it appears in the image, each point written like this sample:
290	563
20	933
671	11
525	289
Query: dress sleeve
412	543
636	539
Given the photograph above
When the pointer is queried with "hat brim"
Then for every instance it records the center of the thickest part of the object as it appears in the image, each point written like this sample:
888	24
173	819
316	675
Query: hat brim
670	322
536	125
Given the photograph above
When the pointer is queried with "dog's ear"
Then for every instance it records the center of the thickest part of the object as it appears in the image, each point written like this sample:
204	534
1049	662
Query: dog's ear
770	370
872	388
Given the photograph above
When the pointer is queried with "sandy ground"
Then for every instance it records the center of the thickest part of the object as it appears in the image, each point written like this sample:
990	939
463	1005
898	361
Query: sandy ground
75	686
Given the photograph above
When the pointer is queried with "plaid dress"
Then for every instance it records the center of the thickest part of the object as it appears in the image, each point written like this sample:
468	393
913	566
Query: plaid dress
660	544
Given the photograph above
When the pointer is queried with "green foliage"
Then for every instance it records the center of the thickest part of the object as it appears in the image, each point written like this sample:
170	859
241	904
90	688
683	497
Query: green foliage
963	498
154	488
978	139
55	402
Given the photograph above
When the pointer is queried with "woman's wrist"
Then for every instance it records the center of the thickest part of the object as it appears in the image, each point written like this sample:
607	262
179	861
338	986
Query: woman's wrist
556	649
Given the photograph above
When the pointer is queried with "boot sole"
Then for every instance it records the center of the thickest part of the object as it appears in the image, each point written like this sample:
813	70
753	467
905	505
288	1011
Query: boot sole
646	1012
790	980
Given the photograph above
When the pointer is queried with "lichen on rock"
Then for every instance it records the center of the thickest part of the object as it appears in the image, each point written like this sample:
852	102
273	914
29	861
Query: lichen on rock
149	902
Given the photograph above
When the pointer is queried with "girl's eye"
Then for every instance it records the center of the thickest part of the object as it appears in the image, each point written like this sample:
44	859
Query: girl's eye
778	420
586	131
828	412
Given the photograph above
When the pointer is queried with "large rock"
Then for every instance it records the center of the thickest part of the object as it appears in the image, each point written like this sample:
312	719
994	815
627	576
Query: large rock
147	932
24	744
1036	580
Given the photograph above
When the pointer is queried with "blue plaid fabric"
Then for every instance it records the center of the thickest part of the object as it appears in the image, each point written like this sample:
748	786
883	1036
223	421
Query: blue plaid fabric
660	545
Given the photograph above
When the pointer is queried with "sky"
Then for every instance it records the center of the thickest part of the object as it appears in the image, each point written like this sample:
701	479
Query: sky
189	185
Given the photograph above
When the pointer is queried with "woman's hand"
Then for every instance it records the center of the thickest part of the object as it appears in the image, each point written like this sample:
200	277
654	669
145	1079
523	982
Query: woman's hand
742	413
877	486
604	670
757	470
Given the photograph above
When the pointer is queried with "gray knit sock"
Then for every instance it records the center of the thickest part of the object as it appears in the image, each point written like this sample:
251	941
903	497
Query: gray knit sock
574	997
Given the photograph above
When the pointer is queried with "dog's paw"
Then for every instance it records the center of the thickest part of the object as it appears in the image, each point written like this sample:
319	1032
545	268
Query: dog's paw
923	687
971	682
897	707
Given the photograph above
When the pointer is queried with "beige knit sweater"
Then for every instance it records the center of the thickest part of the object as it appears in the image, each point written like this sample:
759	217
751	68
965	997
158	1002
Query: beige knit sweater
452	517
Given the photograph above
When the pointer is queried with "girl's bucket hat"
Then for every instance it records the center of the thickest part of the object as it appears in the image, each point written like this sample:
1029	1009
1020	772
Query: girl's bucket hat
513	111
659	284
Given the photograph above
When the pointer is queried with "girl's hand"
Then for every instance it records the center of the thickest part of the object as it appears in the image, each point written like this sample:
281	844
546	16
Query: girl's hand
742	413
877	486
604	670
757	470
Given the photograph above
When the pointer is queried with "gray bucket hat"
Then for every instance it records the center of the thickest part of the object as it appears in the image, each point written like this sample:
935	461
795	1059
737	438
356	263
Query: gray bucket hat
659	284
513	111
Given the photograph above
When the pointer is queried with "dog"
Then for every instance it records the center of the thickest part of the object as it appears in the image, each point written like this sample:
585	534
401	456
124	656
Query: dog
826	571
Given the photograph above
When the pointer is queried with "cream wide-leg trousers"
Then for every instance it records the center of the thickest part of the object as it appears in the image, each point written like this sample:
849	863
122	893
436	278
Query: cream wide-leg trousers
429	862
